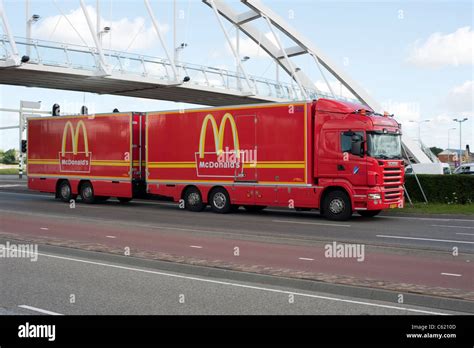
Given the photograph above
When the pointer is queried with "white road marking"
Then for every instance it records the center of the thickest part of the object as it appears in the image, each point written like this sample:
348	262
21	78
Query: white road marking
44	228
196	246
241	285
452	274
310	223
447	226
112	237
10	185
305	259
429	239
44	311
423	219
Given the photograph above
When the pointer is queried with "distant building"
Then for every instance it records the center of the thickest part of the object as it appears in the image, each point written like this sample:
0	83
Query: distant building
452	156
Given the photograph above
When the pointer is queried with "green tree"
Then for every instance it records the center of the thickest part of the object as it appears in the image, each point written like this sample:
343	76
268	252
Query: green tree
9	157
436	150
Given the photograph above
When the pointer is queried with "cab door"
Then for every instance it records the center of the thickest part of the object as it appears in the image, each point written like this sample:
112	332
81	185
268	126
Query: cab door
351	167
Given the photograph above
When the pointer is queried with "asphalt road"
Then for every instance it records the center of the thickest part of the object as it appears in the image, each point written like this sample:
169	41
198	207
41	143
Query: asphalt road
65	284
402	254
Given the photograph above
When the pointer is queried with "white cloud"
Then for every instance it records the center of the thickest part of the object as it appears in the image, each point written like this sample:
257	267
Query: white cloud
460	98
123	31
444	49
434	132
404	112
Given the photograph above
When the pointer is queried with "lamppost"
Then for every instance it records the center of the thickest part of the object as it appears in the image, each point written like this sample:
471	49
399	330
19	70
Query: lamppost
460	136
419	126
177	50
29	23
242	61
101	34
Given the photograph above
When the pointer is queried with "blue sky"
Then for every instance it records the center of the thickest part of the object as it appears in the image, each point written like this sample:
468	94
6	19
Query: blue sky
414	57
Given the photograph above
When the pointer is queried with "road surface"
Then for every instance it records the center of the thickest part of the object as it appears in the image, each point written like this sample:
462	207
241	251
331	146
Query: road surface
400	254
61	283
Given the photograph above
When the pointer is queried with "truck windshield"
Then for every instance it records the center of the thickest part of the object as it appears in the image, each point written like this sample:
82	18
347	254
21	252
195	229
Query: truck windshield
384	146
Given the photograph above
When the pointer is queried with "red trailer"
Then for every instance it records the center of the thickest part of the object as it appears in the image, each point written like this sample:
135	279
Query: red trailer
94	156
329	155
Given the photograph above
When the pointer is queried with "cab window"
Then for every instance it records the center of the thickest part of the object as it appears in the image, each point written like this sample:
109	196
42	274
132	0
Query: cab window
346	141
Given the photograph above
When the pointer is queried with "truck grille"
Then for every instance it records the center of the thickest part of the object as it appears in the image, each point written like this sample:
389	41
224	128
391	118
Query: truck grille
392	184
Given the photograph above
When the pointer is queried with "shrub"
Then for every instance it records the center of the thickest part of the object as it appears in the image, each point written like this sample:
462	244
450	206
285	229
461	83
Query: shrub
450	189
9	157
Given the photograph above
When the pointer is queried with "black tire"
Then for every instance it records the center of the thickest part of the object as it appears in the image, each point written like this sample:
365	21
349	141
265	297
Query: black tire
337	206
219	201
64	192
254	208
193	199
369	213
124	199
87	193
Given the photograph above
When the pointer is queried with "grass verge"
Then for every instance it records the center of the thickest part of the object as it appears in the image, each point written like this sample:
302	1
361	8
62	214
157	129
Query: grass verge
8	171
436	208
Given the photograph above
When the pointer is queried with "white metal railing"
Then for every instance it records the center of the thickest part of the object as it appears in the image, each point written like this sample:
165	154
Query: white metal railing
77	57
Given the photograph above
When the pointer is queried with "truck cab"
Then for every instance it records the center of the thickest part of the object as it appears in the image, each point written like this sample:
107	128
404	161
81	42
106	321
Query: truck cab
359	152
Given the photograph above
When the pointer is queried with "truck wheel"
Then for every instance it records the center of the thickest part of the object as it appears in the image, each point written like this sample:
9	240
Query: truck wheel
337	206
87	193
220	201
254	208
64	191
124	199
369	213
193	199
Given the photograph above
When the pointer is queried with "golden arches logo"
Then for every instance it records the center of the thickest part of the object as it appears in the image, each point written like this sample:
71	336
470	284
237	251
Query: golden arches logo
75	137
218	133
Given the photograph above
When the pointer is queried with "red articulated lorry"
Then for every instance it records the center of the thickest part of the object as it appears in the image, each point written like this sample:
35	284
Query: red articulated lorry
334	156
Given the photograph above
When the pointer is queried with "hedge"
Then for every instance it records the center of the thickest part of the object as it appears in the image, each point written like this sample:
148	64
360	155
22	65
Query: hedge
450	189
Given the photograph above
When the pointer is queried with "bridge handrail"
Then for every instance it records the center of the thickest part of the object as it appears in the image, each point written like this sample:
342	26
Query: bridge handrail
154	67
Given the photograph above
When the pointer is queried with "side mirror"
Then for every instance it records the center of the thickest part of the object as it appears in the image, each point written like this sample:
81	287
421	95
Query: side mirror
357	145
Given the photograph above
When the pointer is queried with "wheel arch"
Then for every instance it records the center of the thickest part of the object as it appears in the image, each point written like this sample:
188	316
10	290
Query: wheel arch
187	187
332	188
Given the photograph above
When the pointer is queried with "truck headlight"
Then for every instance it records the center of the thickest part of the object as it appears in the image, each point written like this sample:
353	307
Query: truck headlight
374	196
